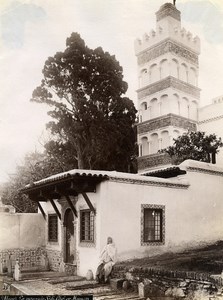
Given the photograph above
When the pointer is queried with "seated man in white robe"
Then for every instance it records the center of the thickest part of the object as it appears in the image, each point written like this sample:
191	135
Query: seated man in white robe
108	259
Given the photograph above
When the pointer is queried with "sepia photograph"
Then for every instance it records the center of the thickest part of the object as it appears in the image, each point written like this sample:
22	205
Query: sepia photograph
111	149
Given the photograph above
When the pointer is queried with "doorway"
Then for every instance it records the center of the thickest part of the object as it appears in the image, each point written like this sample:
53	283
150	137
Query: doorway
70	244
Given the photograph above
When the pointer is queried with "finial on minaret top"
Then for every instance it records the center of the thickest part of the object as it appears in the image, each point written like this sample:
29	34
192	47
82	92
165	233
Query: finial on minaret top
168	10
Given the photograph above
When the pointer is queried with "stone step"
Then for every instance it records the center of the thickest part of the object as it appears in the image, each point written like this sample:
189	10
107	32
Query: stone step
40	275
110	293
66	279
85	285
34	269
118	296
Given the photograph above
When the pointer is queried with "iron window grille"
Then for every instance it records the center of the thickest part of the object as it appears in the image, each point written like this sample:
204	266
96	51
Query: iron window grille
86	226
153	223
52	228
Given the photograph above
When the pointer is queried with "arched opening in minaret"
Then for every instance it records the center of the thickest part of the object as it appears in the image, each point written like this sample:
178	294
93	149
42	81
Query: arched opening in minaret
145	146
143	109
164	68
143	78
174	104
165	139
144	105
184	107
154	73
164	108
175	68
154	111
193	112
192	76
183	72
154	143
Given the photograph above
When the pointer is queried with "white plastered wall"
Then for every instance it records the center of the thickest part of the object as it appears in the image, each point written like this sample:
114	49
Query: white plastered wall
192	215
21	231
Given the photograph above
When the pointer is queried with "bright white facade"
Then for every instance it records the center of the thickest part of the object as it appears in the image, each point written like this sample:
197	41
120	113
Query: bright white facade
185	213
168	94
144	215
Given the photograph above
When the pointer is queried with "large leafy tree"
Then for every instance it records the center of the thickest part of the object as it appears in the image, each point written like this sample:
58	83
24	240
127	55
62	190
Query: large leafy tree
92	122
194	145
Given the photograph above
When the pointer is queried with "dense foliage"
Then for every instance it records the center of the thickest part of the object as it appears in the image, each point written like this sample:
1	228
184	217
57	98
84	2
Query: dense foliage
194	145
92	122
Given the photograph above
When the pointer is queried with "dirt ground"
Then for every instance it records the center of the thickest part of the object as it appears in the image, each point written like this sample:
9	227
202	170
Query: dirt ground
207	258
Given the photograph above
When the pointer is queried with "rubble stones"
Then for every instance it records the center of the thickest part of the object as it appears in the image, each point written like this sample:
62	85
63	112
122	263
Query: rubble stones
116	283
152	282
126	285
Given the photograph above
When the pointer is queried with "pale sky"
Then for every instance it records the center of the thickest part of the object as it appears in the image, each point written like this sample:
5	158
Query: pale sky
33	30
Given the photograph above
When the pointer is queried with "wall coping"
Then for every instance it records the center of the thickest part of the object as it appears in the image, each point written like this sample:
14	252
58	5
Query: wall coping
211	119
108	175
151	181
201	167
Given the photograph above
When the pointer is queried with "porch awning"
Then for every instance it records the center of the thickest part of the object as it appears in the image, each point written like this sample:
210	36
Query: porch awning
65	184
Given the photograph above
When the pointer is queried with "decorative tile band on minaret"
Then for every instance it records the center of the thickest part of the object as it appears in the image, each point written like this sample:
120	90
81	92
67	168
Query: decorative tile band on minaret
168	93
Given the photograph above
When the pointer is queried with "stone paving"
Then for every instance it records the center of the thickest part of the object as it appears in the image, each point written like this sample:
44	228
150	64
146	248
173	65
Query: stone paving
104	292
43	287
40	287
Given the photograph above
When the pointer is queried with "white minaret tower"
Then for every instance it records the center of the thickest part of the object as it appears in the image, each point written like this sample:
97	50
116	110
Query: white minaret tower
168	96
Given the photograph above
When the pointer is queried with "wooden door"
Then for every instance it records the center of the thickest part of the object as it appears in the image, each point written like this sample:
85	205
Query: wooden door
69	237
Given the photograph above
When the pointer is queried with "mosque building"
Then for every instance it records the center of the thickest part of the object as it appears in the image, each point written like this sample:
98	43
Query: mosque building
168	93
166	209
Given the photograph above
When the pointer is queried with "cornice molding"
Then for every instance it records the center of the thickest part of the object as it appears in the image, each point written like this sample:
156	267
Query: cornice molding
166	121
166	83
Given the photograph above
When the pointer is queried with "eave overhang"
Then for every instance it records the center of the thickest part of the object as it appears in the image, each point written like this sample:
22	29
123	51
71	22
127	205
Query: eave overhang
166	173
63	184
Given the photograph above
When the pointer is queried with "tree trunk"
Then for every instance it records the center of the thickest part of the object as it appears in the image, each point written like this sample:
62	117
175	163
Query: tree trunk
80	159
213	158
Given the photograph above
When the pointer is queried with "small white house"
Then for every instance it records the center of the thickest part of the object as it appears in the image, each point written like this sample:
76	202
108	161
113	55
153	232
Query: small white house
165	210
